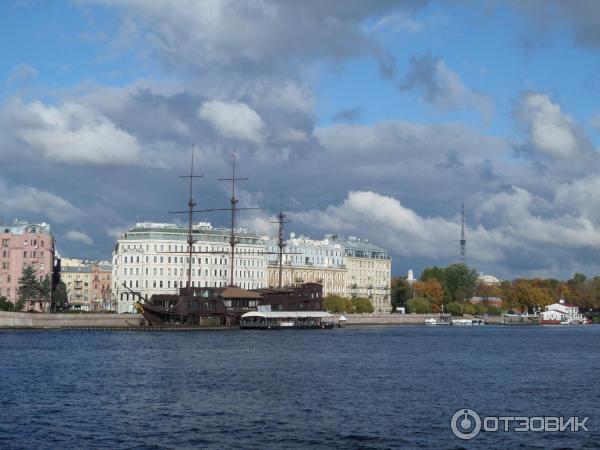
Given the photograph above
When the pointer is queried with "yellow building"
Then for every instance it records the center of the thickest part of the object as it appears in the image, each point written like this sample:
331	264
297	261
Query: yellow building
88	284
332	279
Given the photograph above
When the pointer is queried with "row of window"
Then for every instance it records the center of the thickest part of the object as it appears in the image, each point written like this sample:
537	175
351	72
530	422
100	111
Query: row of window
32	242
175	284
175	260
195	249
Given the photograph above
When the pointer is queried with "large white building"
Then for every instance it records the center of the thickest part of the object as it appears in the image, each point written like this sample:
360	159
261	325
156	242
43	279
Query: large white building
152	258
308	260
350	267
369	272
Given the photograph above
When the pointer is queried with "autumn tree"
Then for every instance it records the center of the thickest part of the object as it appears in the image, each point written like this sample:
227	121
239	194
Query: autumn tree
524	295
433	291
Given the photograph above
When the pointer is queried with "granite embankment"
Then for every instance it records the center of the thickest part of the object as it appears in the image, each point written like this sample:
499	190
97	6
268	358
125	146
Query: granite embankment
58	321
89	320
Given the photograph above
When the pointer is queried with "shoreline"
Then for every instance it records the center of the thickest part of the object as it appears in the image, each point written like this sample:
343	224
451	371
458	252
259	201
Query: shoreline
135	322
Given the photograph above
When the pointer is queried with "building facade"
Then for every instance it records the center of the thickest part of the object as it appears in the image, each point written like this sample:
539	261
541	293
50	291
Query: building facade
308	261
23	244
369	272
152	258
88	284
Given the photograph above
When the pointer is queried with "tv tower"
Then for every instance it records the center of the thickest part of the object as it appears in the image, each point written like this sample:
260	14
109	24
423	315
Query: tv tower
463	241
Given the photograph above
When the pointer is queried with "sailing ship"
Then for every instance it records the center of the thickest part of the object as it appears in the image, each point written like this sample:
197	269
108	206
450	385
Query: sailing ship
224	306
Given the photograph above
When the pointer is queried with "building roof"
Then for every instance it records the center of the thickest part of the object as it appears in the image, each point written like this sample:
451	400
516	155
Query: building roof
21	227
236	292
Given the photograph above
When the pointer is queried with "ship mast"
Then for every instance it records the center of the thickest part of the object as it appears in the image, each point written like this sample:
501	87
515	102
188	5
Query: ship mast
191	205
233	209
280	243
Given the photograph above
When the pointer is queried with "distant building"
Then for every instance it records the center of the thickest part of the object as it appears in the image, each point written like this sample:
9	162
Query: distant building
411	277
561	312
151	258
88	284
488	280
369	272
23	244
308	261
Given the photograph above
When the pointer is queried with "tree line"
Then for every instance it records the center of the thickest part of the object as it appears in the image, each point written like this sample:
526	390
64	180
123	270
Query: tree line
449	289
338	304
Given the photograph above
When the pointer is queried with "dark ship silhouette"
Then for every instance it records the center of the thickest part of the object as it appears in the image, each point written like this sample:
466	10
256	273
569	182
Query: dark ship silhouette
225	306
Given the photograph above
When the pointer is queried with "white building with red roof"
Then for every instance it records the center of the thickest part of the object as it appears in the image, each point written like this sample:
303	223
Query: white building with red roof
561	313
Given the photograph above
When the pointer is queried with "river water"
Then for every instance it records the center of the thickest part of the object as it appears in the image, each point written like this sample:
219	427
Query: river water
371	387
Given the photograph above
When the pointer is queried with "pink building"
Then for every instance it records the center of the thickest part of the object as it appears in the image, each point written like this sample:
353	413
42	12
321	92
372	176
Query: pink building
23	244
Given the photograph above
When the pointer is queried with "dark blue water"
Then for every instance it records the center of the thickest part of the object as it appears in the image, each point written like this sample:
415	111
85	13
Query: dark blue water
392	387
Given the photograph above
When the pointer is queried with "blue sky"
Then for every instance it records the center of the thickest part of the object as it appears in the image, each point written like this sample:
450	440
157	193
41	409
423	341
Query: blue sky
373	119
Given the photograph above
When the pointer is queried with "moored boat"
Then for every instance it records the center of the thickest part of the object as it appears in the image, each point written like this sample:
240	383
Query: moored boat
273	320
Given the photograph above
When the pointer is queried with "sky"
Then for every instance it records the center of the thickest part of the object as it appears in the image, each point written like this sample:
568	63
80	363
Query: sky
370	119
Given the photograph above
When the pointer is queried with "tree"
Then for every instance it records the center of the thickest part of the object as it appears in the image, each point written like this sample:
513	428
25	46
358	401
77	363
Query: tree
5	305
401	292
460	281
419	306
524	295
362	305
45	292
337	304
59	297
455	308
433	291
29	287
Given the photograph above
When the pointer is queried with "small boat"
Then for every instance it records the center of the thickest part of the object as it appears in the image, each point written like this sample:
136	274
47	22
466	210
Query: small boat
431	321
462	322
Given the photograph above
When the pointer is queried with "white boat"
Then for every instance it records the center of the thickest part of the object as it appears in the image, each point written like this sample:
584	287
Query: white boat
431	321
462	322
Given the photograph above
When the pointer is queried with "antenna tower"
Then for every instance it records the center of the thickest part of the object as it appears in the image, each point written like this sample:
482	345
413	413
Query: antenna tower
463	241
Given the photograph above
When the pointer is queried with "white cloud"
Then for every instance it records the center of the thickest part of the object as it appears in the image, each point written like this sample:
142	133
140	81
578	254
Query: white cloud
72	133
551	132
26	199
514	228
234	120
79	236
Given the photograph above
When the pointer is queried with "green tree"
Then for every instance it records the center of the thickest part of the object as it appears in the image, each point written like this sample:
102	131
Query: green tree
419	306
362	305
45	289
29	287
401	292
460	282
337	304
5	305
59	297
455	308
